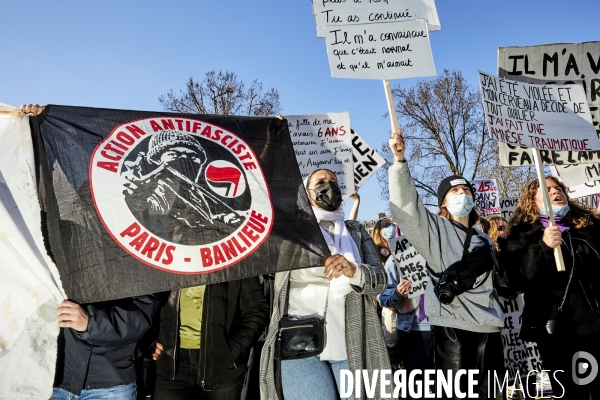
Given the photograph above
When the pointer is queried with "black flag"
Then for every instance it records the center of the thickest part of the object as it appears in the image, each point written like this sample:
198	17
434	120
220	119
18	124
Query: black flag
141	202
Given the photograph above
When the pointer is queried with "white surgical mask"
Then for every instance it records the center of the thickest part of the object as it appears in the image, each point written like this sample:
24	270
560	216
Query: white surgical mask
389	232
460	205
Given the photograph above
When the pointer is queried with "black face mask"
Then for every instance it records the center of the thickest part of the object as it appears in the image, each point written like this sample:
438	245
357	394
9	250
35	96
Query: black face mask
329	196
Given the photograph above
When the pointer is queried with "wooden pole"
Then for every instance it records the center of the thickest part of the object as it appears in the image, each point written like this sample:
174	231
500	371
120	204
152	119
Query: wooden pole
560	263
391	107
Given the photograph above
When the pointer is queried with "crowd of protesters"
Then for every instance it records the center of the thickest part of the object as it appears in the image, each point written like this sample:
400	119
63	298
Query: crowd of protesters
224	341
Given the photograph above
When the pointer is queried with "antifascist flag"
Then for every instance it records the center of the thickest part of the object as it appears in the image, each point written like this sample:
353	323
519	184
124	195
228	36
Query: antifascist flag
141	202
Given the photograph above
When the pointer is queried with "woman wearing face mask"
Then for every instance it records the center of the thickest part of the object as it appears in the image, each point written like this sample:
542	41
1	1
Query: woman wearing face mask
347	282
465	328
383	231
569	298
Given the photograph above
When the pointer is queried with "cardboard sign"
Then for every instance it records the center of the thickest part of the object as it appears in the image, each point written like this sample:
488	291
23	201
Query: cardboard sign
487	198
391	50
578	191
590	201
366	160
352	13
579	173
411	265
537	116
324	141
508	206
553	64
517	156
519	356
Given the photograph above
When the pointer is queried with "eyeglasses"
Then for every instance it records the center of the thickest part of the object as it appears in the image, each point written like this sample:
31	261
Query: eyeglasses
502	228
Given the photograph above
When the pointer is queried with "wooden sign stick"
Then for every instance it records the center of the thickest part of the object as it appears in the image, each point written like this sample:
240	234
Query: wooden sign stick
560	263
391	108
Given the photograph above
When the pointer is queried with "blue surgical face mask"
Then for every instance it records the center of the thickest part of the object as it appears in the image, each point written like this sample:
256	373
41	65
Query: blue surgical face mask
559	211
460	205
389	232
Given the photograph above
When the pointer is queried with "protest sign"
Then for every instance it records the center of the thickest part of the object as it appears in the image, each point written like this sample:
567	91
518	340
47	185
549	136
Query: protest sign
144	202
487	198
347	13
518	156
519	356
411	265
324	141
577	174
578	191
380	51
550	64
537	116
508	206
366	160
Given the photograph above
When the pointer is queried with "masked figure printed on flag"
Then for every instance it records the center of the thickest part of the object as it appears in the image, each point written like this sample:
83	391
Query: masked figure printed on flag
174	188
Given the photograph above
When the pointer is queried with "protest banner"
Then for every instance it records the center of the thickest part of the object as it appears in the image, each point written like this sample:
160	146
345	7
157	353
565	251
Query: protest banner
537	116
578	174
30	285
578	191
518	156
508	206
519	356
324	141
589	201
380	51
366	160
487	198
411	265
559	63
347	13
145	202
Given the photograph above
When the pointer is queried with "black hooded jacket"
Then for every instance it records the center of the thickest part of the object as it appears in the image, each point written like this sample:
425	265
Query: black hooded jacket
532	269
103	355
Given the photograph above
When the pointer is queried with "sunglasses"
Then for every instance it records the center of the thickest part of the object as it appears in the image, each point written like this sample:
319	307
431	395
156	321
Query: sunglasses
502	228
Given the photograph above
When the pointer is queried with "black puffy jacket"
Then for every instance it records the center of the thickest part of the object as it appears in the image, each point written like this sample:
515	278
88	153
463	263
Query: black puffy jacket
103	356
234	315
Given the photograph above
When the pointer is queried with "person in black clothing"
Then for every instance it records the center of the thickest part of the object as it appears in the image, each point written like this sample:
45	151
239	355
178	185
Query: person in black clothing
206	334
96	347
561	310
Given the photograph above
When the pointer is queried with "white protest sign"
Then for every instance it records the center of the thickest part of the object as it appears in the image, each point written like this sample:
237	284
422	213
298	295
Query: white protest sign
578	191
590	201
366	160
323	141
391	50
518	156
520	357
411	265
577	174
487	198
507	206
544	117
549	64
346	13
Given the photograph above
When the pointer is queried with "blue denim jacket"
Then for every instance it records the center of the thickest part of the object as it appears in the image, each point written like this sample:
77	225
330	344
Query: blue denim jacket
389	298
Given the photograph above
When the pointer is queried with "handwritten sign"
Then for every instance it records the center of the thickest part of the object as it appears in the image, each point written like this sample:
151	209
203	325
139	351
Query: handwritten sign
347	13
520	357
579	173
487	199
538	116
578	191
366	160
517	156
411	265
323	141
508	205
380	51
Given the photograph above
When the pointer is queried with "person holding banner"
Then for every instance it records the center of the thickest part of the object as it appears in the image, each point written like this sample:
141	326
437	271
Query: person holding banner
342	289
562	309
460	299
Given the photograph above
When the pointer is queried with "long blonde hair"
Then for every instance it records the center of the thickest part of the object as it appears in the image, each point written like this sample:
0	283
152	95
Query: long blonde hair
527	212
493	230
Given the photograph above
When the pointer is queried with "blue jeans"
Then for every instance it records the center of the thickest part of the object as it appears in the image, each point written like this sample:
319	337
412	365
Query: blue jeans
311	378
120	392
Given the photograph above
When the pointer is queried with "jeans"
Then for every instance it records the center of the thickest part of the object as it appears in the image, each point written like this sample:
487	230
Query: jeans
187	385
311	378
120	392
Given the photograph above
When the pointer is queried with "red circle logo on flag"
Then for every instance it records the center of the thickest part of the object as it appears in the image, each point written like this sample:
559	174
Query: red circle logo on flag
181	195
